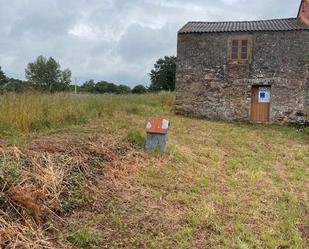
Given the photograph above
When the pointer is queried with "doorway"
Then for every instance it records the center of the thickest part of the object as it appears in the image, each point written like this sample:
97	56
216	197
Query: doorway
260	103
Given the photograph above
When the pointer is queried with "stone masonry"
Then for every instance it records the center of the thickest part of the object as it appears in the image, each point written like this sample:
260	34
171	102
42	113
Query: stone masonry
208	86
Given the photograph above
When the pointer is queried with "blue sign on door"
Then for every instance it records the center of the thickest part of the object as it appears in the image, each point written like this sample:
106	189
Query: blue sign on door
264	94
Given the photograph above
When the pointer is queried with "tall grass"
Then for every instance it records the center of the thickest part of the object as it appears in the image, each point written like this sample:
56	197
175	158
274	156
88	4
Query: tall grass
27	112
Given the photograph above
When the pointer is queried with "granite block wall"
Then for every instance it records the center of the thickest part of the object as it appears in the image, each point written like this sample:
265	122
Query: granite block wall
207	85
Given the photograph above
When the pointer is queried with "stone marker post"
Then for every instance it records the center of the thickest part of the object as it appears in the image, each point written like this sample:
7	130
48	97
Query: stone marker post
156	129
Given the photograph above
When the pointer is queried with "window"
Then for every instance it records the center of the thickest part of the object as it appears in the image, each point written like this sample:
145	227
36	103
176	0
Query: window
244	49
235	49
239	48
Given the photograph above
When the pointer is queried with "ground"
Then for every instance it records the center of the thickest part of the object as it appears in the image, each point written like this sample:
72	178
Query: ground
91	185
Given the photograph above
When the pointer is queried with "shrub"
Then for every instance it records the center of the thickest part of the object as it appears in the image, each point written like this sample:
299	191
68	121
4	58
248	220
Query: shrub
139	89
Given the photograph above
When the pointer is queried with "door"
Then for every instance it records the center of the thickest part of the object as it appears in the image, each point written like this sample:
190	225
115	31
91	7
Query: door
260	103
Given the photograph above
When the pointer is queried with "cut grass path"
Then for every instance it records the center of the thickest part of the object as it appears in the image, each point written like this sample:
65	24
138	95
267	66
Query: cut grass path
219	185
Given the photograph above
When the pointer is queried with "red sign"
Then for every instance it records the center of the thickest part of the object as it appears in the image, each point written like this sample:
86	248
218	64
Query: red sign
157	125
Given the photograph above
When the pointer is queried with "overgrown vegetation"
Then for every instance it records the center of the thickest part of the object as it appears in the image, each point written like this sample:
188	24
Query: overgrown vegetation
35	112
86	182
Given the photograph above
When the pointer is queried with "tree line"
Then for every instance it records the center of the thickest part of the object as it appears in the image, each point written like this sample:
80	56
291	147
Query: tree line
45	74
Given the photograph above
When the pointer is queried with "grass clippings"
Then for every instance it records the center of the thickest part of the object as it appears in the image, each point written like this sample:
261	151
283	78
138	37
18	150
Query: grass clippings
219	185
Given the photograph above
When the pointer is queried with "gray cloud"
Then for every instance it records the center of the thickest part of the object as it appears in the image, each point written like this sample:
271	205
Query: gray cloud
112	40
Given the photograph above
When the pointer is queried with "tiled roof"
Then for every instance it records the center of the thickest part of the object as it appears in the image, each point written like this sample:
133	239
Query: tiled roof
288	24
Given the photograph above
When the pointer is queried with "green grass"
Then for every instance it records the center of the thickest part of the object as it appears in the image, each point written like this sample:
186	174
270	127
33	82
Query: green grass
23	113
83	238
136	137
219	185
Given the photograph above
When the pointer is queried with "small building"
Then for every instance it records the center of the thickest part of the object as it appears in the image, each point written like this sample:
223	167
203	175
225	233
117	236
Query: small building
245	70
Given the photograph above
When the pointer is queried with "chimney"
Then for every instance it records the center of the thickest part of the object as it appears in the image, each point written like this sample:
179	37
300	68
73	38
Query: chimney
303	12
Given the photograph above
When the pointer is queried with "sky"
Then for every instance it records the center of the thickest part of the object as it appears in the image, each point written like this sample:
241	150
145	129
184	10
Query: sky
113	40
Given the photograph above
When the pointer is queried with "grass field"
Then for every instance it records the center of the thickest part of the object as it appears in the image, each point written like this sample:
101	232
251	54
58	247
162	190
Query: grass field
73	174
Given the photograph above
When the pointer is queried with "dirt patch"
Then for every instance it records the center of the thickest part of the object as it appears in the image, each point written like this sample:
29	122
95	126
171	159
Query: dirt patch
304	229
48	144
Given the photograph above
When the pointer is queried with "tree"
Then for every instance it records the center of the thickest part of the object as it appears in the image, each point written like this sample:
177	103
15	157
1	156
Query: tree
46	74
106	87
88	86
12	85
139	89
163	75
3	78
66	77
15	85
123	89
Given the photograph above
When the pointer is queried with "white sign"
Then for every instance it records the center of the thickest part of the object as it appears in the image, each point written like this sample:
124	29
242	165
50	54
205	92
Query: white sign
165	124
148	126
264	94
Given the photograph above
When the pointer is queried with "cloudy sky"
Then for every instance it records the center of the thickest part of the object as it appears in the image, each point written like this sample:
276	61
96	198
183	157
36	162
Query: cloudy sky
113	40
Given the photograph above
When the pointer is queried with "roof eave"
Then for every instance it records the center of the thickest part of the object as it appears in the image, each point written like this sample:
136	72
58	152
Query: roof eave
248	31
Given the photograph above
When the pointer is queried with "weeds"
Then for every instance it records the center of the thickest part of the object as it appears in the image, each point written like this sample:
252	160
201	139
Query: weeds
23	113
220	185
75	196
83	238
135	137
133	110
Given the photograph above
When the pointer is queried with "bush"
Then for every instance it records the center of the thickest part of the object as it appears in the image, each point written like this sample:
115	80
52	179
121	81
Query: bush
123	89
139	89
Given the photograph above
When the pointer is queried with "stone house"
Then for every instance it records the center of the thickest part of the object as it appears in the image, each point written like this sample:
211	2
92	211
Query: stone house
245	70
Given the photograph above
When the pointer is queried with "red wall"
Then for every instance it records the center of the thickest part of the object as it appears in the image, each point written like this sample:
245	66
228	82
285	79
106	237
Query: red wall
304	11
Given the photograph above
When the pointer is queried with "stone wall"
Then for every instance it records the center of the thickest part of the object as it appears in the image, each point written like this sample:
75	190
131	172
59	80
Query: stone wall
208	86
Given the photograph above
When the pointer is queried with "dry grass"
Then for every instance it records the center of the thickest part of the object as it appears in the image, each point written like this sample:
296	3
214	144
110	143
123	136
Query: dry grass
220	185
22	113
